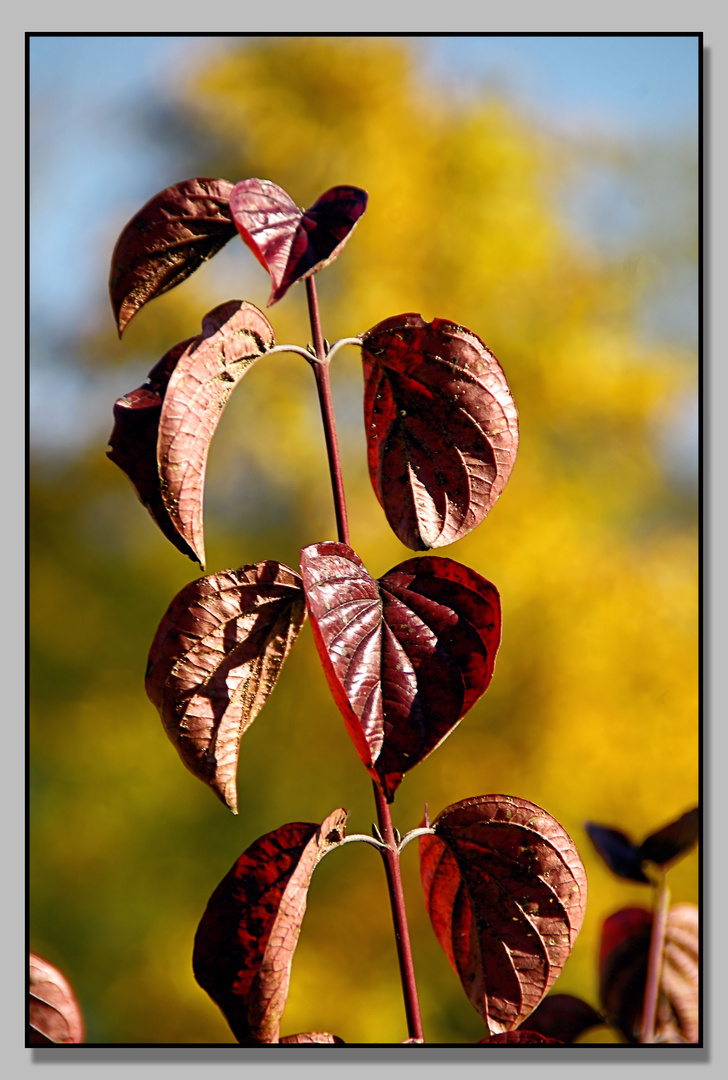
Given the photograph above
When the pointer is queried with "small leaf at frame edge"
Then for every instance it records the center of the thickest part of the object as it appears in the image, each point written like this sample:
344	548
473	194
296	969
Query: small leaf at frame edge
166	241
292	244
405	656
215	660
246	939
54	1015
441	427
506	893
306	1038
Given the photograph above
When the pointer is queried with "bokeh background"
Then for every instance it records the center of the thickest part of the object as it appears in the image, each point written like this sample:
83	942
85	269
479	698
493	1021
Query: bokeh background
543	192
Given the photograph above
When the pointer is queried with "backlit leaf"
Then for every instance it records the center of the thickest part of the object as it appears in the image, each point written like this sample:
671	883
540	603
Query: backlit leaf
506	893
246	939
170	237
623	960
441	427
54	1015
291	244
308	1037
234	335
405	656
215	659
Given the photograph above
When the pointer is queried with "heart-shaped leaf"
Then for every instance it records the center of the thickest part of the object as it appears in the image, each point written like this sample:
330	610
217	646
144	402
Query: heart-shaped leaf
234	335
441	427
506	893
623	960
405	656
170	237
620	854
215	660
54	1015
133	442
246	939
292	244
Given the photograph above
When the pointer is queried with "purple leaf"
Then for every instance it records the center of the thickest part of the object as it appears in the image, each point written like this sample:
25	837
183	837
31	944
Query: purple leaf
618	852
441	425
292	244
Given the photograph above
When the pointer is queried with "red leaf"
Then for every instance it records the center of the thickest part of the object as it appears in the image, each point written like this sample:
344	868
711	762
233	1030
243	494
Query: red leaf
215	660
442	428
54	1014
405	656
293	244
520	1038
133	442
623	960
563	1017
234	335
246	939
506	892
170	237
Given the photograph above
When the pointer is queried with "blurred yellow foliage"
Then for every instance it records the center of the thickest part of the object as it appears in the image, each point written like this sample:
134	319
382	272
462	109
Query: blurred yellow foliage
593	711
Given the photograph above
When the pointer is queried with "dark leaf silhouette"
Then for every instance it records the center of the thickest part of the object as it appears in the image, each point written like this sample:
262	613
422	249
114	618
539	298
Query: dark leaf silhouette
215	660
54	1015
170	237
563	1017
246	939
292	244
405	656
623	960
441	425
133	442
675	839
520	1038
506	892
618	852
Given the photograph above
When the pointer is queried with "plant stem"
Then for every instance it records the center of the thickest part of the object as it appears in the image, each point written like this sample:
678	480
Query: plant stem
654	963
390	854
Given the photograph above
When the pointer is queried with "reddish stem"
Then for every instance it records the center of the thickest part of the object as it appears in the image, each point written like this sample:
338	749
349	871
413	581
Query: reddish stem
654	963
391	854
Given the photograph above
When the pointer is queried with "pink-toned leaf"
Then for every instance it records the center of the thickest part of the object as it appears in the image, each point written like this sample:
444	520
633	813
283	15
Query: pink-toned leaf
506	893
292	244
623	960
307	1037
234	335
673	840
54	1014
133	442
563	1017
215	659
441	426
246	939
170	237
405	656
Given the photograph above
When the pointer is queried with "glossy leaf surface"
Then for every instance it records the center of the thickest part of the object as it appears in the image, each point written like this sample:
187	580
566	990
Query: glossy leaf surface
405	656
133	442
441	427
291	244
620	854
215	659
170	237
506	893
623	960
246	939
234	335
54	1015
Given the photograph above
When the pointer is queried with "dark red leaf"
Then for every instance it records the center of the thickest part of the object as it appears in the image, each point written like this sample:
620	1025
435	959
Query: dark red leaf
246	939
307	1037
133	442
441	425
563	1017
170	237
54	1014
506	892
215	660
675	839
623	960
405	656
520	1038
618	852
292	244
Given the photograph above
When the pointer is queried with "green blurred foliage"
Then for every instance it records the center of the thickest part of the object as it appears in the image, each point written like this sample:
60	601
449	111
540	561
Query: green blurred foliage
593	709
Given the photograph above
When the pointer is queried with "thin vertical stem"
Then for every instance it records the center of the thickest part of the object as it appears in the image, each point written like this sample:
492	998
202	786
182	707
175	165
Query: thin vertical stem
654	963
391	854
